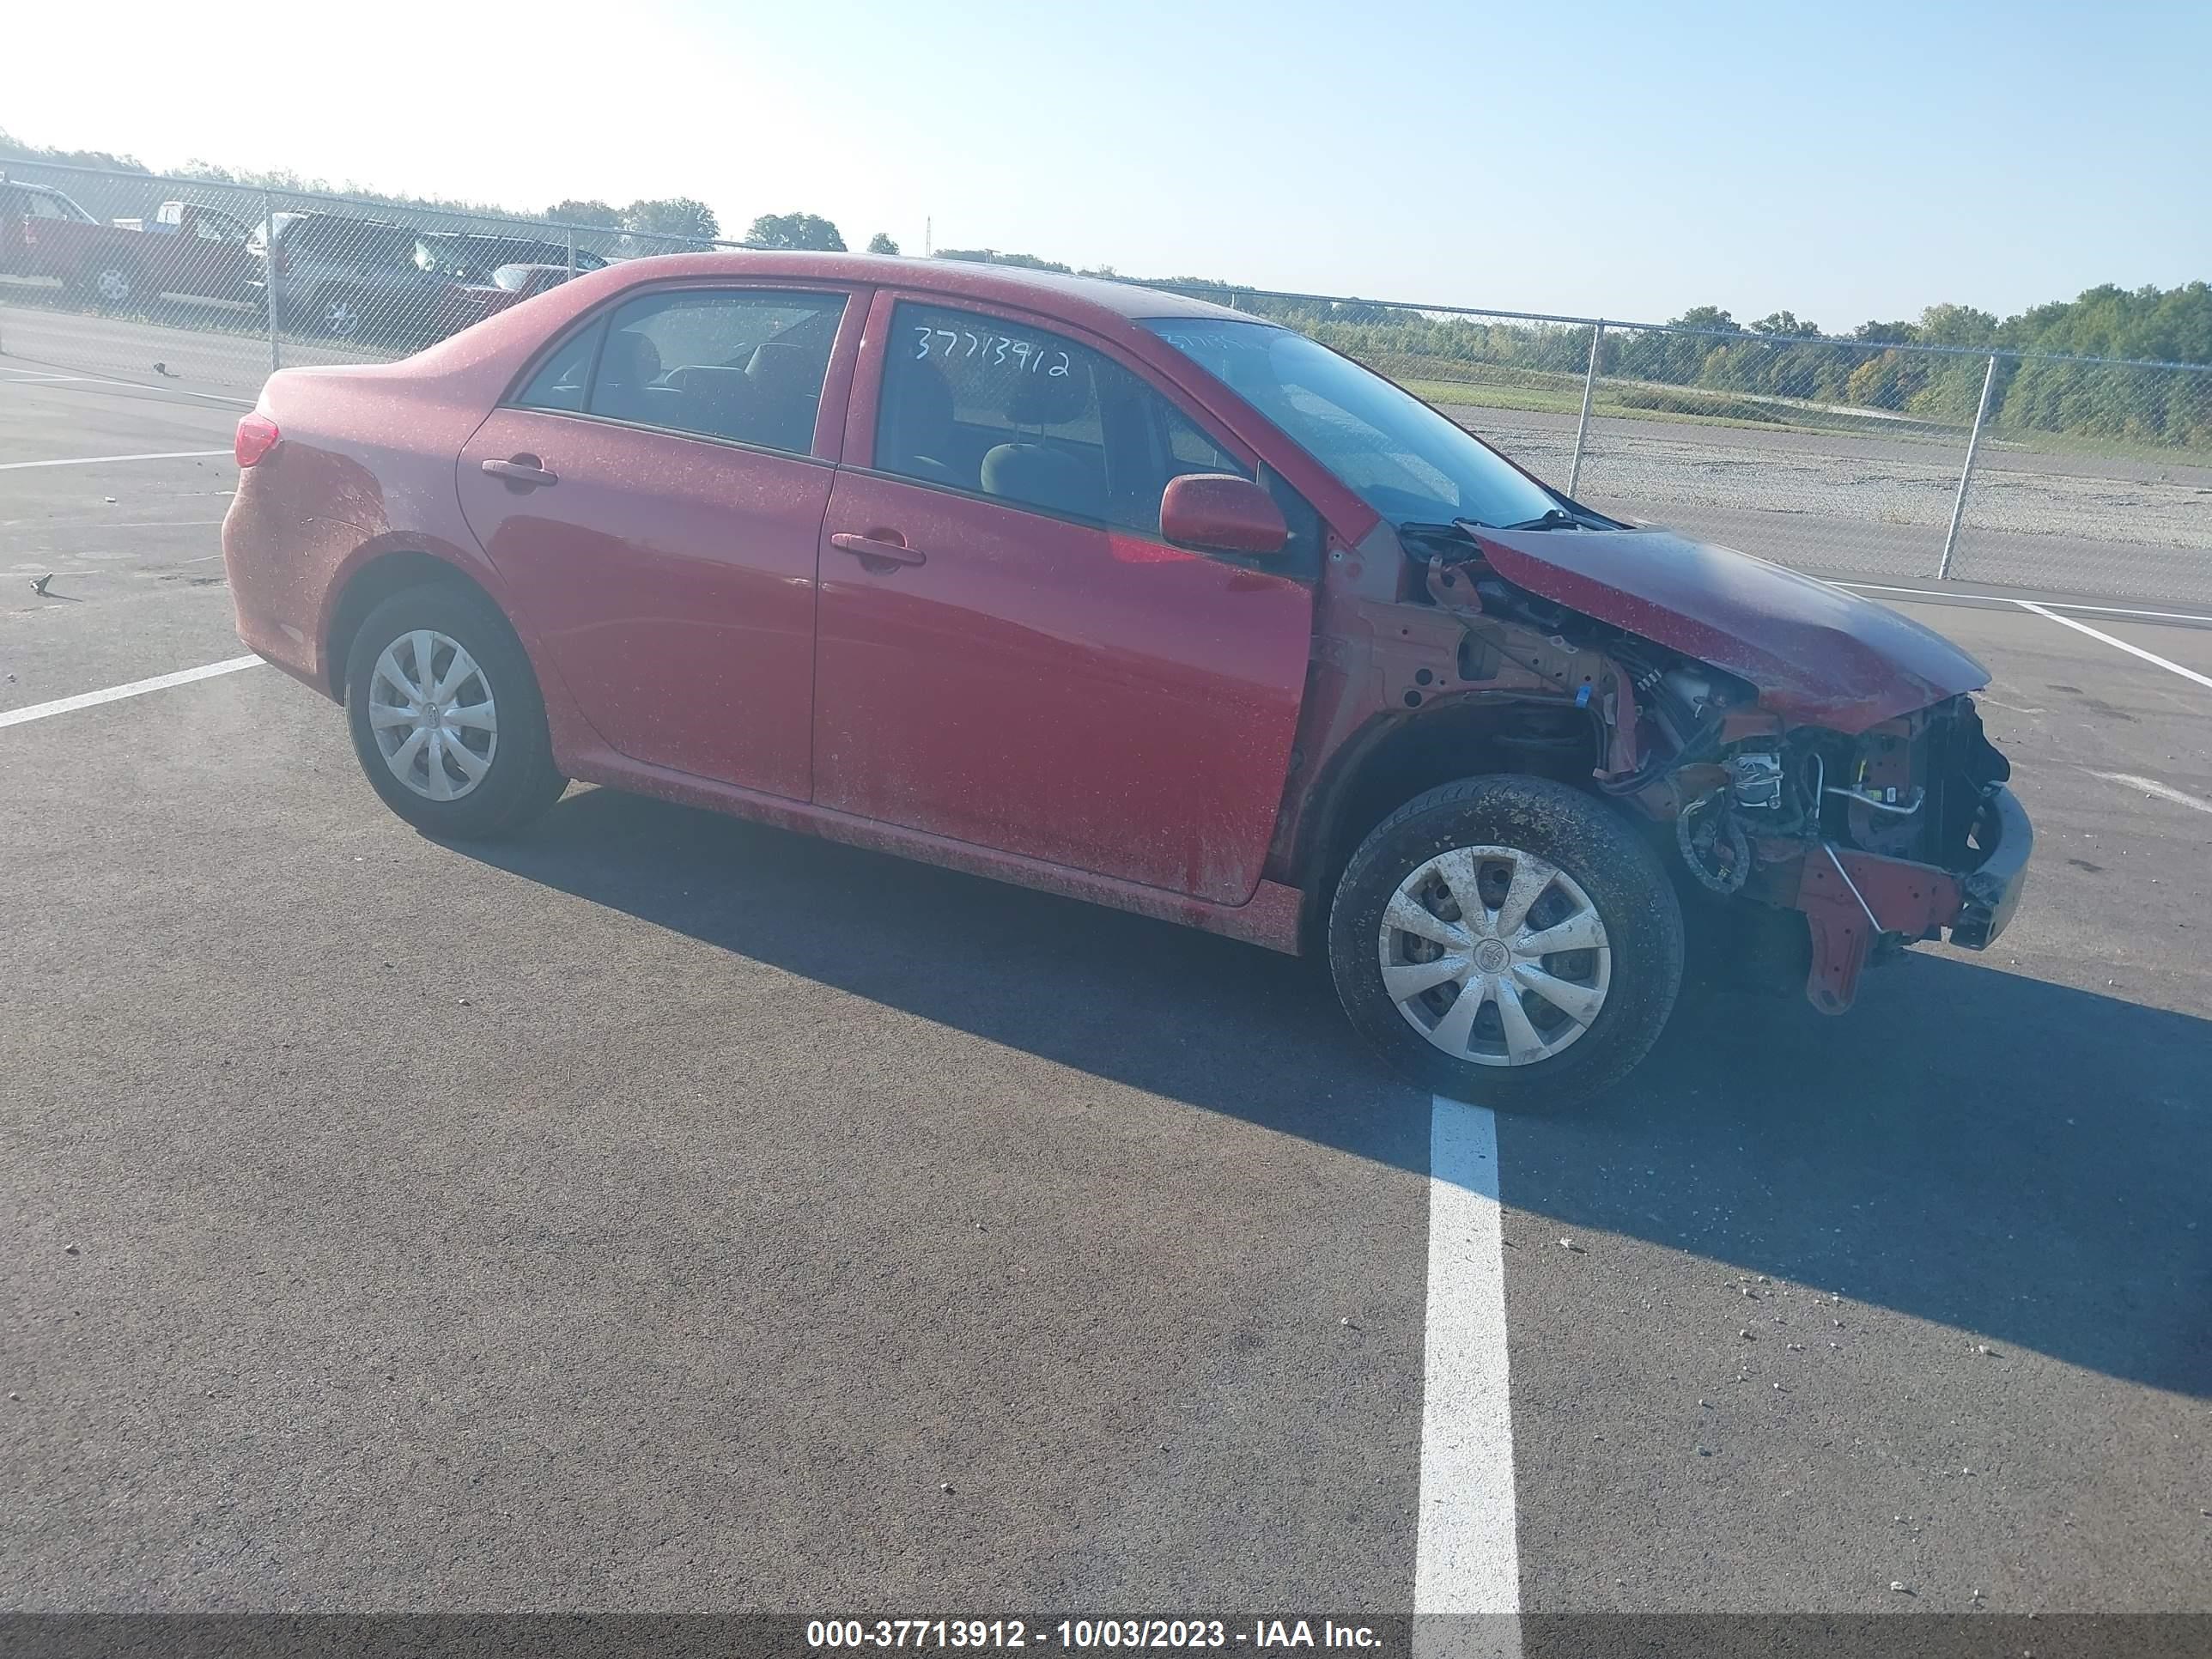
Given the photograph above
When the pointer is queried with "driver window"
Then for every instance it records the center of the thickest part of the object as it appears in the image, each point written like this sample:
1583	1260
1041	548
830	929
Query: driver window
997	408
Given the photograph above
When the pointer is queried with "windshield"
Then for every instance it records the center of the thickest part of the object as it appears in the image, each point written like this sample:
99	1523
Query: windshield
1399	456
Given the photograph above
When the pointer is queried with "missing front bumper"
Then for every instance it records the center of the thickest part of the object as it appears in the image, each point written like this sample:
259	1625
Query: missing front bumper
1851	898
1990	893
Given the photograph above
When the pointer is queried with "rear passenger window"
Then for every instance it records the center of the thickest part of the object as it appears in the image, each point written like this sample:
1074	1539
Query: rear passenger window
744	365
1033	418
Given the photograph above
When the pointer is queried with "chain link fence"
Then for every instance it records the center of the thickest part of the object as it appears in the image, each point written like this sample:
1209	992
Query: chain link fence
1895	462
1905	463
212	285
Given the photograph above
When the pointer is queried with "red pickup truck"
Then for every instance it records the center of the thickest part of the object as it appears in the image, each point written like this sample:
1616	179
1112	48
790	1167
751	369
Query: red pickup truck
187	249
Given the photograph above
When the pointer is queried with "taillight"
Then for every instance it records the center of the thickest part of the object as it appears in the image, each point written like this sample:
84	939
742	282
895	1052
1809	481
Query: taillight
256	437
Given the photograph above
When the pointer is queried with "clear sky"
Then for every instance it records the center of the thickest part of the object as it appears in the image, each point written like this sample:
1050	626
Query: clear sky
1626	159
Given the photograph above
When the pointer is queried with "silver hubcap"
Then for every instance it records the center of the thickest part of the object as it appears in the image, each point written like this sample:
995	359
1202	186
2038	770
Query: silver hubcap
113	286
430	710
340	317
1495	956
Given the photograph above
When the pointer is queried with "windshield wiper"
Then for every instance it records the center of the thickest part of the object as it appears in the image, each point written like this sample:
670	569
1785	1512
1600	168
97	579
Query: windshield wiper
1557	518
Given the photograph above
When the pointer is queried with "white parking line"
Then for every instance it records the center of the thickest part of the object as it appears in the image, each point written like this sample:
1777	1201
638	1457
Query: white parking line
2152	786
2056	604
102	460
27	376
39	711
1466	1555
2117	645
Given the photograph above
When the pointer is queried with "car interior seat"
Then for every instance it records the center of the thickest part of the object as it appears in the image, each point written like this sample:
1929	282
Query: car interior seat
1040	474
918	434
786	377
628	377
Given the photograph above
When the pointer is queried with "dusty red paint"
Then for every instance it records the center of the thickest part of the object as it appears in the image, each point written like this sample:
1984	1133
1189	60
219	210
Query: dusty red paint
1819	656
1222	515
802	640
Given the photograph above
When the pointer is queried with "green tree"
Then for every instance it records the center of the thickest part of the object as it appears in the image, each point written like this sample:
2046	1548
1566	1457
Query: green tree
574	212
881	243
991	256
1786	324
1957	325
13	148
1676	359
795	230
663	221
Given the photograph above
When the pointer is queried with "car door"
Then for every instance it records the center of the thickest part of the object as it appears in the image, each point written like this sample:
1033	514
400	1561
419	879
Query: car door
1008	654
653	496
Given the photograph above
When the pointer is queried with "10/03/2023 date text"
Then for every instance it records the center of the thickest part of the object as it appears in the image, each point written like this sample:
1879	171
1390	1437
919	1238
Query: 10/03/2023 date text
1085	1635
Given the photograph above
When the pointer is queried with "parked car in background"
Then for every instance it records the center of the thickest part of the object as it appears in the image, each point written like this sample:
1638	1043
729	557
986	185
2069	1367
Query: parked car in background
469	257
462	304
211	252
1094	589
186	250
389	284
485	274
346	278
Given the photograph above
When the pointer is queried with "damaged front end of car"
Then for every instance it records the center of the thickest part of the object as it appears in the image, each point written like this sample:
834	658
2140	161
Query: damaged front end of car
1804	750
1881	838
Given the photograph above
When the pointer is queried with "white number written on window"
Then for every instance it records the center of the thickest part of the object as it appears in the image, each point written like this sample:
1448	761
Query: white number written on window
1028	356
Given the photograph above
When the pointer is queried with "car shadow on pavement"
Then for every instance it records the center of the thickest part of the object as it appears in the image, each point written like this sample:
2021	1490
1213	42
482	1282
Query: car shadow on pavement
1969	1146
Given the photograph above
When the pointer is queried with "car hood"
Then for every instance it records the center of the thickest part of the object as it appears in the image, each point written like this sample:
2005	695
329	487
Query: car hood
1819	656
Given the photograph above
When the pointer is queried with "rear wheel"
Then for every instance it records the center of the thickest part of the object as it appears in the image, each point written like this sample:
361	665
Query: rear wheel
445	715
112	283
1507	940
340	313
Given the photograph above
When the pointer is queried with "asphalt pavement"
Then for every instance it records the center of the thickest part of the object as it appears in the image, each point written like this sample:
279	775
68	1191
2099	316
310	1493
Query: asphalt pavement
660	1213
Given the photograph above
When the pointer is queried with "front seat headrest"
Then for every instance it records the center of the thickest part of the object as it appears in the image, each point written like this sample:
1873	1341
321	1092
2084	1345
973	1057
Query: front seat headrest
1043	398
630	359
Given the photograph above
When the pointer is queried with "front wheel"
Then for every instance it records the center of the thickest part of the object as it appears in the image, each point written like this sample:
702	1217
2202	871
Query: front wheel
1509	941
445	715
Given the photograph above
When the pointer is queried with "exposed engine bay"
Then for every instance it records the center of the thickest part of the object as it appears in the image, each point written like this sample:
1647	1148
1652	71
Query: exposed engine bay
1876	833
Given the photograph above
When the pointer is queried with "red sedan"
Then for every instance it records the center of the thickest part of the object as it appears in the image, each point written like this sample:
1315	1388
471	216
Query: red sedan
1086	586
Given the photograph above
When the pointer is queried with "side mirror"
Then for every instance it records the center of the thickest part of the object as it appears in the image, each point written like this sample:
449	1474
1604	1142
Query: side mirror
1220	513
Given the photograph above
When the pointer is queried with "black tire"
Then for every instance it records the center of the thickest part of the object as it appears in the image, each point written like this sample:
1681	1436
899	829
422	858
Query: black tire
110	284
522	780
340	313
1587	841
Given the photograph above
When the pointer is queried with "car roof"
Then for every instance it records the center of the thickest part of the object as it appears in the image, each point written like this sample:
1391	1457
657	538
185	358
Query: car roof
323	215
1075	298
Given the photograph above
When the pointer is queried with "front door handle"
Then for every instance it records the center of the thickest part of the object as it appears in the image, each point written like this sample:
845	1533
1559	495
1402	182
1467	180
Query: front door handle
878	546
522	470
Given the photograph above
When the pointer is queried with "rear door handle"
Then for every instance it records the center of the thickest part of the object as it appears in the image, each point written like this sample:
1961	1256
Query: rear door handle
522	470
875	547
